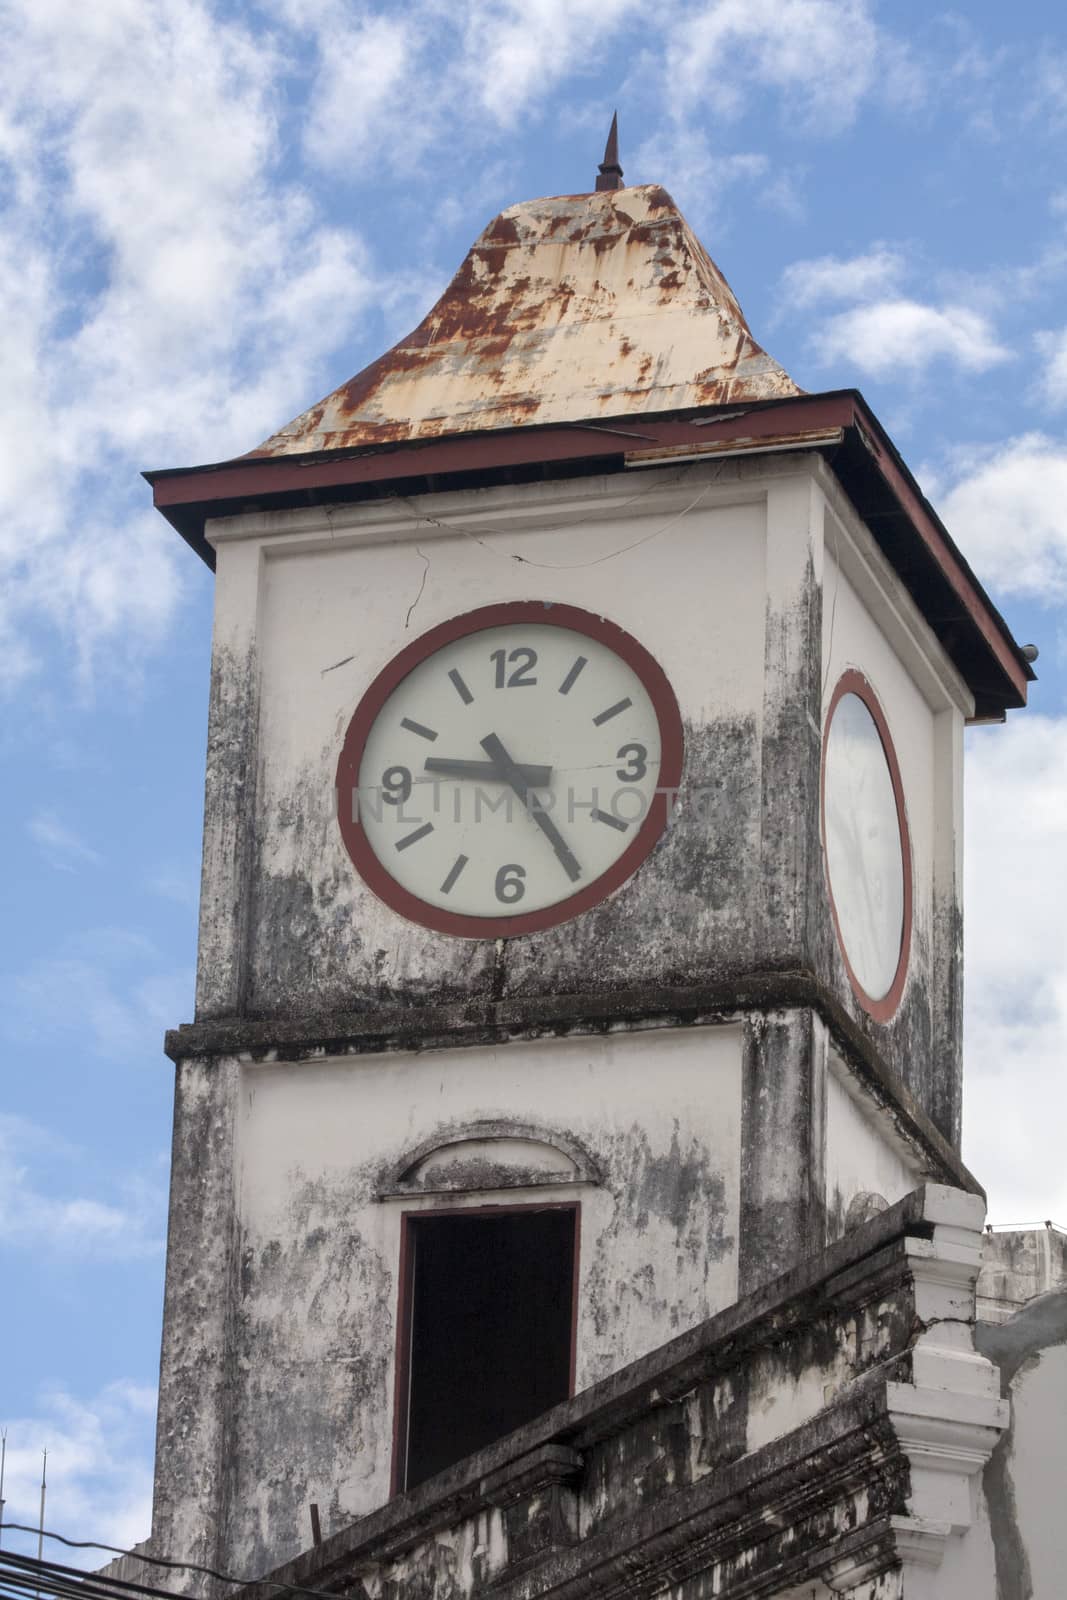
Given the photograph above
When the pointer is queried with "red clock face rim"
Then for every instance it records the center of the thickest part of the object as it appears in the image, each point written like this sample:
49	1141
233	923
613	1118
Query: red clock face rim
656	684
853	682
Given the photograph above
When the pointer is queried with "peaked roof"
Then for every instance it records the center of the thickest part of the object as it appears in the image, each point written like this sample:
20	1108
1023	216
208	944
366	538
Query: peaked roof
565	309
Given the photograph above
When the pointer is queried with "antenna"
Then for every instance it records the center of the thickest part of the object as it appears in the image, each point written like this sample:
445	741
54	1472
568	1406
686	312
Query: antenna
3	1462
40	1526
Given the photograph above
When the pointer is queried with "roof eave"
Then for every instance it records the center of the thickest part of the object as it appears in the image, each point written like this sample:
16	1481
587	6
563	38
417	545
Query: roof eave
867	463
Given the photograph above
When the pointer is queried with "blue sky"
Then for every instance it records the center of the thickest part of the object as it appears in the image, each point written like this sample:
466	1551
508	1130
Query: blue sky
215	214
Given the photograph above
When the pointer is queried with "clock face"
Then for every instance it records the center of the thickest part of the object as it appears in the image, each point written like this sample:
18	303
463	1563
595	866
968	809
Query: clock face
866	847
509	769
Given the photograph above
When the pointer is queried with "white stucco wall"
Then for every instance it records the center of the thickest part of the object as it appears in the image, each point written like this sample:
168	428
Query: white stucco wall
1038	1468
660	1114
862	1154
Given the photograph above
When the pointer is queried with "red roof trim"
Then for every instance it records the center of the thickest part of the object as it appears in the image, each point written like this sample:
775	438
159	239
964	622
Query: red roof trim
936	539
260	475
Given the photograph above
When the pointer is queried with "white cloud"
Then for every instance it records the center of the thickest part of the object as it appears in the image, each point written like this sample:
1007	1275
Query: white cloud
359	88
516	51
905	337
99	1468
823	57
783	192
1047	90
886	332
168	296
69	995
36	1215
697	175
865	277
389	89
1006	507
176	883
106	987
1015	1104
1052	383
61	846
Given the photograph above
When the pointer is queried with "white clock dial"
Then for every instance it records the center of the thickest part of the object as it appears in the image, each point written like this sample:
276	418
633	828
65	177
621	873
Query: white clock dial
511	769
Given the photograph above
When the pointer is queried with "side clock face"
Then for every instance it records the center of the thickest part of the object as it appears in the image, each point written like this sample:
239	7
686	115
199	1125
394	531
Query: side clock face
509	769
866	846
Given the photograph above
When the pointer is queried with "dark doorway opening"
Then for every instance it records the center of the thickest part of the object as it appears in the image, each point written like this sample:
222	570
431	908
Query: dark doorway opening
486	1329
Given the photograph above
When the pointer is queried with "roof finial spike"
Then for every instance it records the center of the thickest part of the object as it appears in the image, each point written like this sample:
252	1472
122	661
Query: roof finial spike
610	171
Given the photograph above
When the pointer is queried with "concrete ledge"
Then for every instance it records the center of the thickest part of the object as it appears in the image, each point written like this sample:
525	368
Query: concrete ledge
415	1028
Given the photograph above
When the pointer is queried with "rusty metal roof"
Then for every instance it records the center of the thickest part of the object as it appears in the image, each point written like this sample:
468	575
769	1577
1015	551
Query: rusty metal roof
566	309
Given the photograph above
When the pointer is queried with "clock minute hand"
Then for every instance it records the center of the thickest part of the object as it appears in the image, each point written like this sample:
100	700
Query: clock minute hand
534	777
514	775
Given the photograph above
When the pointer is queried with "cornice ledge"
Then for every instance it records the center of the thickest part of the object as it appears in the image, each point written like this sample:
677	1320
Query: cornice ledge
746	1525
902	1544
376	1027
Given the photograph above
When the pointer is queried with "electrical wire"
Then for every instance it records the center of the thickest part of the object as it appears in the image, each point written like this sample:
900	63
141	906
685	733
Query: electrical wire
25	1567
45	1583
124	1585
27	1574
38	1581
44	1580
74	1584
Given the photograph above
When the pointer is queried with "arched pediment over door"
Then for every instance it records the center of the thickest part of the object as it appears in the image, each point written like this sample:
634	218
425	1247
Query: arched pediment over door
490	1155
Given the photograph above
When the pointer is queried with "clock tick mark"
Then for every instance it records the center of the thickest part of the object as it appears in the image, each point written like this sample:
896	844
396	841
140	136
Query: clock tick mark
454	872
612	711
413	838
461	689
612	822
419	728
569	681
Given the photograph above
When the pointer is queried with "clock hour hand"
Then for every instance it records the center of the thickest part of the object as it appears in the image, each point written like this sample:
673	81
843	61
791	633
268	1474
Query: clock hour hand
533	777
514	775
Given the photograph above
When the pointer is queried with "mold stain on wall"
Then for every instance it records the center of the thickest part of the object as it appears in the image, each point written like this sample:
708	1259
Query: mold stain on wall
315	1334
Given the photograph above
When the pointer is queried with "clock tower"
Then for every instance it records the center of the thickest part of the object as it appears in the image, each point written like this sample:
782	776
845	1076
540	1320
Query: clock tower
580	939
